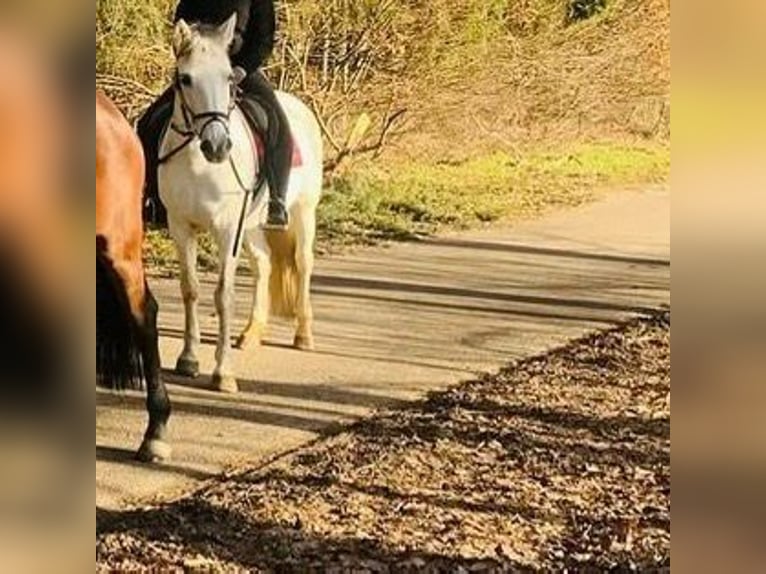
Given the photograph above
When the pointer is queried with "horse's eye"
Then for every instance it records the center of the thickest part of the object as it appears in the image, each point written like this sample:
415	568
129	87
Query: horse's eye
185	80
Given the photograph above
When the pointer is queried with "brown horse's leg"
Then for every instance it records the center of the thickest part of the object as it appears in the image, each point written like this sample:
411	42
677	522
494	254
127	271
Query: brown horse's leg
143	307
155	447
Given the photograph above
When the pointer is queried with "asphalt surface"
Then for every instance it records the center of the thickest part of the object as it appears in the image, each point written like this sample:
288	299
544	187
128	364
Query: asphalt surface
390	325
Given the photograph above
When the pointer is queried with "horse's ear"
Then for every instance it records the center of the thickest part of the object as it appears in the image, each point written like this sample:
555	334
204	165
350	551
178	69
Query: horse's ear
227	30
182	38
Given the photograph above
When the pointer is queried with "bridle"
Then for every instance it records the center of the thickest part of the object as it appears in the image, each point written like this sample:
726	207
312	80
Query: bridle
191	120
189	131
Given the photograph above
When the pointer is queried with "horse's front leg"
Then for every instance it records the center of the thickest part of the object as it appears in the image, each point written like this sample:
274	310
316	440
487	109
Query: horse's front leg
186	245
144	308
223	379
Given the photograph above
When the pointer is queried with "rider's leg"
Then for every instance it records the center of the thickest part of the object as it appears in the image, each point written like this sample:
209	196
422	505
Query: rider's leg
279	147
149	128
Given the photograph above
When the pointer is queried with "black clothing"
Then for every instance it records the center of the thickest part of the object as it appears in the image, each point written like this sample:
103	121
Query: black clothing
256	26
150	127
277	138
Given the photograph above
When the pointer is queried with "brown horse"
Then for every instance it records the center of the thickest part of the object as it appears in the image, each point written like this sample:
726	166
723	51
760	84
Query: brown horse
127	351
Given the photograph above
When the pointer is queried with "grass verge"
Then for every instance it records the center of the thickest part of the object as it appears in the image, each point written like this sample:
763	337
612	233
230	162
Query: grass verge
371	204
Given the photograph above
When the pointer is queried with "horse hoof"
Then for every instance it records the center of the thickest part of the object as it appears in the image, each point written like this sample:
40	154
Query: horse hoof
154	451
304	342
187	368
246	341
225	384
251	336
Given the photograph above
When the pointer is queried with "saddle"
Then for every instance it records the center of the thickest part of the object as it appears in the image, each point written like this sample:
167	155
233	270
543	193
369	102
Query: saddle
256	119
155	125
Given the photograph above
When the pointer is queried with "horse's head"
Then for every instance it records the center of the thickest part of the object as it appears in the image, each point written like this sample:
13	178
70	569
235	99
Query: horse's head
205	83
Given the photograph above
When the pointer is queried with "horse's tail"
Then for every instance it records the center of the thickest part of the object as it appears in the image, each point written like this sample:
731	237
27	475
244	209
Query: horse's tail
283	283
118	355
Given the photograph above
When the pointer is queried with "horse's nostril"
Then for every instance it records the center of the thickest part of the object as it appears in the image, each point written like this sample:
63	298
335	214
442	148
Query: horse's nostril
207	147
228	145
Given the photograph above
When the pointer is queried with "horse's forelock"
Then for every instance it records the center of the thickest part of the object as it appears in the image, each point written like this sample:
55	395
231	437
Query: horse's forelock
201	35
205	30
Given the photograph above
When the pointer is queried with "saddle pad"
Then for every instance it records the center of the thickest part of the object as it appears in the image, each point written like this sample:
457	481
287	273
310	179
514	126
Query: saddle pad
259	147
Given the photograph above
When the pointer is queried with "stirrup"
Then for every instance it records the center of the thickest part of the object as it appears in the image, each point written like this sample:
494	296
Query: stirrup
281	214
271	226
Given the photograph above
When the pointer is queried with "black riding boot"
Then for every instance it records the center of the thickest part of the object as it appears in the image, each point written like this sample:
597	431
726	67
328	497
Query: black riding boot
279	147
150	127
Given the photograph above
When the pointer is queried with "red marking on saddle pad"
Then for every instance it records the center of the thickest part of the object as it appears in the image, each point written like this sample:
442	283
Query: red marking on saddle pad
260	148
297	157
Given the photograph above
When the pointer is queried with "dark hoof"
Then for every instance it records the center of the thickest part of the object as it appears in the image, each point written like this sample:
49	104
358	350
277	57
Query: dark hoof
154	451
224	384
187	368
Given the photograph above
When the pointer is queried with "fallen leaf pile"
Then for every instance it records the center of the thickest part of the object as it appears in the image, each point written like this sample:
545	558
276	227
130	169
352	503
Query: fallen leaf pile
560	462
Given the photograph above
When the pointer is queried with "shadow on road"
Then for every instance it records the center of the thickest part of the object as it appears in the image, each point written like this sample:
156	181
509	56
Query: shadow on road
543	251
128	458
439	290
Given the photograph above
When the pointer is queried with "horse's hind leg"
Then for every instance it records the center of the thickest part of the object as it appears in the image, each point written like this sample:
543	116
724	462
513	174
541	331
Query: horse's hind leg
260	260
304	255
186	245
154	447
143	313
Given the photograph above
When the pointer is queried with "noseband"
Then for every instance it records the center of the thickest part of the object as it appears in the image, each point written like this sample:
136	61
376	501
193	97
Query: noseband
192	118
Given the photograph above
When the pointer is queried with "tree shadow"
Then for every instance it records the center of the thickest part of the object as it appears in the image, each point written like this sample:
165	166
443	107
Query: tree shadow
127	457
202	406
481	309
322	393
544	251
364	284
568	454
191	529
226	536
602	427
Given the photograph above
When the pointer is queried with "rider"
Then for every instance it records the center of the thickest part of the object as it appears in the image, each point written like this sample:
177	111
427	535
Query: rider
253	43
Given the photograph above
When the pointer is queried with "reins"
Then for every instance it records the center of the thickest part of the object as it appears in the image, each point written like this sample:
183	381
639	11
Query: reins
190	134
257	188
191	119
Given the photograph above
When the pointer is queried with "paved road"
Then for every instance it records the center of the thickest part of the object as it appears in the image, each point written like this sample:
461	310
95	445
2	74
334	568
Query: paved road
392	324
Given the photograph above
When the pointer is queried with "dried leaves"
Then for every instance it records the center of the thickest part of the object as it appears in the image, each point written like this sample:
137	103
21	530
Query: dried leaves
562	461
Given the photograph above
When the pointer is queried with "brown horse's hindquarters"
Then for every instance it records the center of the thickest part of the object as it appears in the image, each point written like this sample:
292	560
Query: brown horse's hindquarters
118	353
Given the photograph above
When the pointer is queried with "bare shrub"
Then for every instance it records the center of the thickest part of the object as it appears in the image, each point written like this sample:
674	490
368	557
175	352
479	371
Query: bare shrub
436	79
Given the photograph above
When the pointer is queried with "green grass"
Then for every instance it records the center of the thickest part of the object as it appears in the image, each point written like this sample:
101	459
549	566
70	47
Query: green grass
405	201
372	205
160	253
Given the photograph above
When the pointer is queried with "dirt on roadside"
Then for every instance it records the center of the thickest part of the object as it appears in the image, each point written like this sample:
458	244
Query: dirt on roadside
557	462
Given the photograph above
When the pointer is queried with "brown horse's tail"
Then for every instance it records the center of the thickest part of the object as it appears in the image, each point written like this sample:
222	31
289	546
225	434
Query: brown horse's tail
118	353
